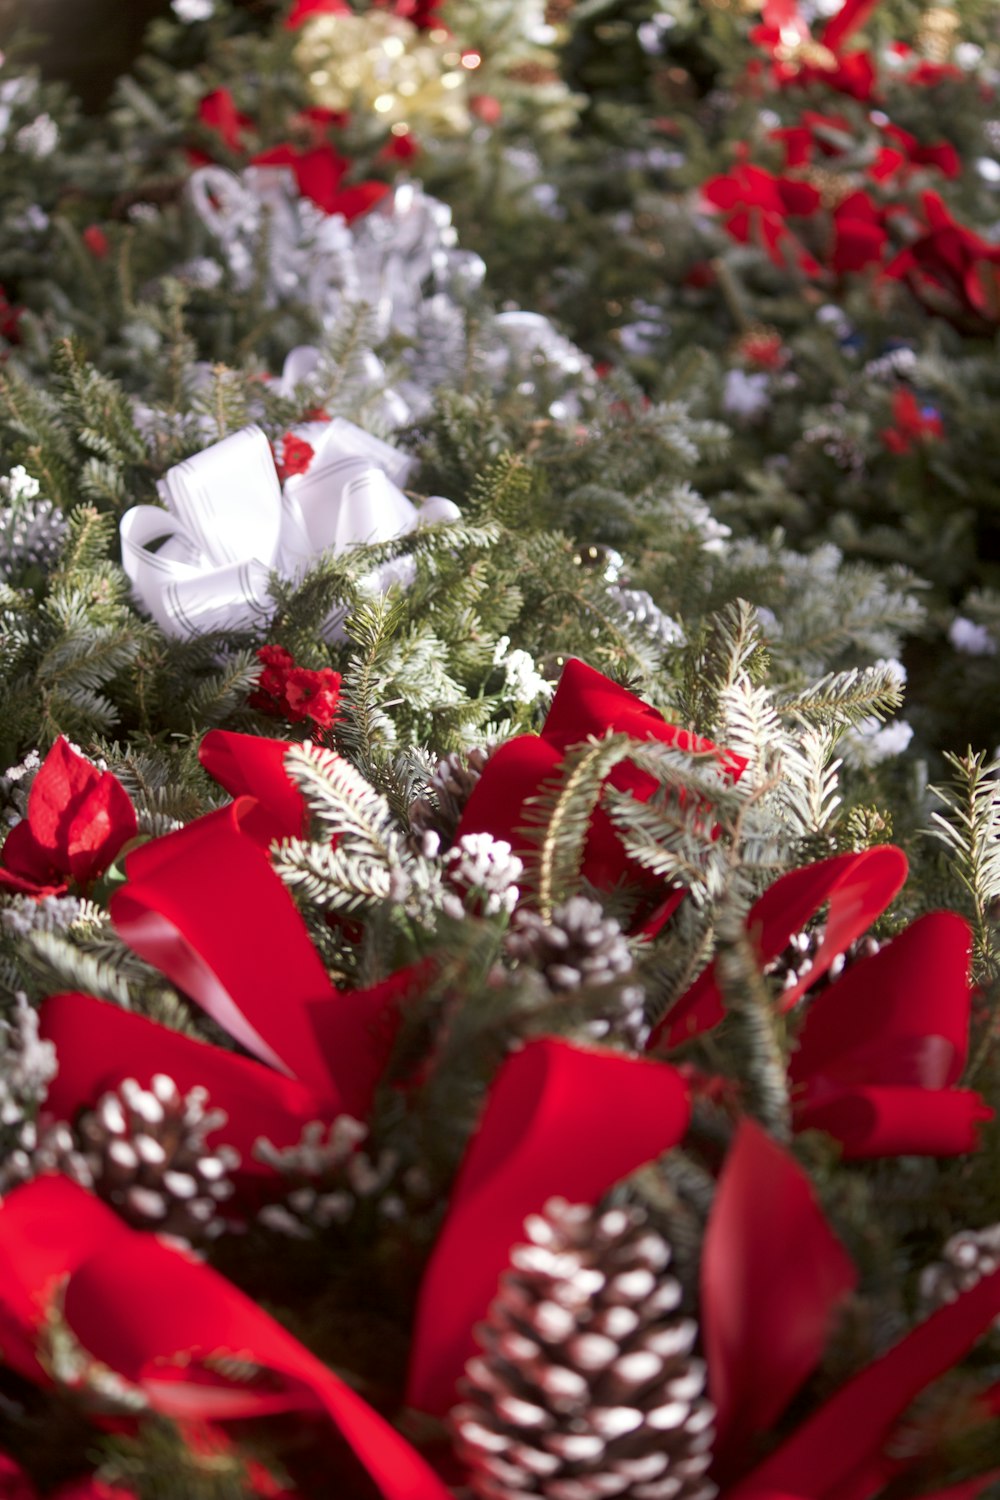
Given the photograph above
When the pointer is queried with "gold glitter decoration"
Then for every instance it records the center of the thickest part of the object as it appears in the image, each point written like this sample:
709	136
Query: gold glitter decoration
382	63
833	187
937	34
806	53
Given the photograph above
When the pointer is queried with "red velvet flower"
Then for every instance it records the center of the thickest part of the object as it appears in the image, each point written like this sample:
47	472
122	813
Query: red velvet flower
288	691
78	819
758	206
296	456
319	173
911	425
586	703
218	113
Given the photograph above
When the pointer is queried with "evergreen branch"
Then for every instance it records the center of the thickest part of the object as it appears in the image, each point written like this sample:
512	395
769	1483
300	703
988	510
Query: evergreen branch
558	816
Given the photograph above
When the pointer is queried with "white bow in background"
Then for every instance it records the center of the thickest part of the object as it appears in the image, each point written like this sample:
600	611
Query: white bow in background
203	564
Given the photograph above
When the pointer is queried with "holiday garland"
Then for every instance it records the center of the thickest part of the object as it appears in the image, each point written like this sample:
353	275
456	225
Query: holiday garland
489	1001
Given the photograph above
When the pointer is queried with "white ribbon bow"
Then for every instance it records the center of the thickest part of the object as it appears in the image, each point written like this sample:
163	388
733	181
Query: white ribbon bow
204	563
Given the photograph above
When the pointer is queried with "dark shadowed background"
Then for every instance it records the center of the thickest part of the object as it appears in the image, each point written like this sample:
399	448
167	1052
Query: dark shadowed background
86	42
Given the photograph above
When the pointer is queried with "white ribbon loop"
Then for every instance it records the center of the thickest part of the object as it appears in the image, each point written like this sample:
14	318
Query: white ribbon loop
204	563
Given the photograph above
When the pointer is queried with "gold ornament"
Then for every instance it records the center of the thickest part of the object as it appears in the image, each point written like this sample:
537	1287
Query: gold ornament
833	187
938	29
382	63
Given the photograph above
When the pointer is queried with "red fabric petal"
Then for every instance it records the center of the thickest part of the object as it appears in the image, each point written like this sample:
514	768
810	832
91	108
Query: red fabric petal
204	905
302	10
28	868
772	1274
852	1426
41	1243
871	1121
79	815
558	1120
851	15
152	1315
249	765
98	1045
858	887
898	1017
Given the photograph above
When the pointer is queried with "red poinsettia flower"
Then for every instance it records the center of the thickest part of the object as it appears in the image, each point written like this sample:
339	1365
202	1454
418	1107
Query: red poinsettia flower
78	820
951	270
159	1320
586	703
799	58
860	235
758	206
218	113
288	691
912	424
319	173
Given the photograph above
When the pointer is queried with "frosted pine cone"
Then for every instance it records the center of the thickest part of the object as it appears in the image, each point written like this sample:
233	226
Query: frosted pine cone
32	532
440	809
586	1387
144	1151
580	948
328	1174
800	955
969	1255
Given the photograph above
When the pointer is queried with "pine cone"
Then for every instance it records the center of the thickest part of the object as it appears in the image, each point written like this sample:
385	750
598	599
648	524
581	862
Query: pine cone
580	948
586	1386
969	1255
144	1151
800	955
32	532
327	1175
440	809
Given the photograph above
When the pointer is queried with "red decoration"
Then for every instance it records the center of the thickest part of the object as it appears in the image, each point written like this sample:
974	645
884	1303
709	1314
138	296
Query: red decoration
296	456
155	1317
78	820
96	241
772	1275
10	317
879	1052
951	270
758	206
249	766
218	113
288	691
911	425
319	173
858	887
540	1135
585	703
304	10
